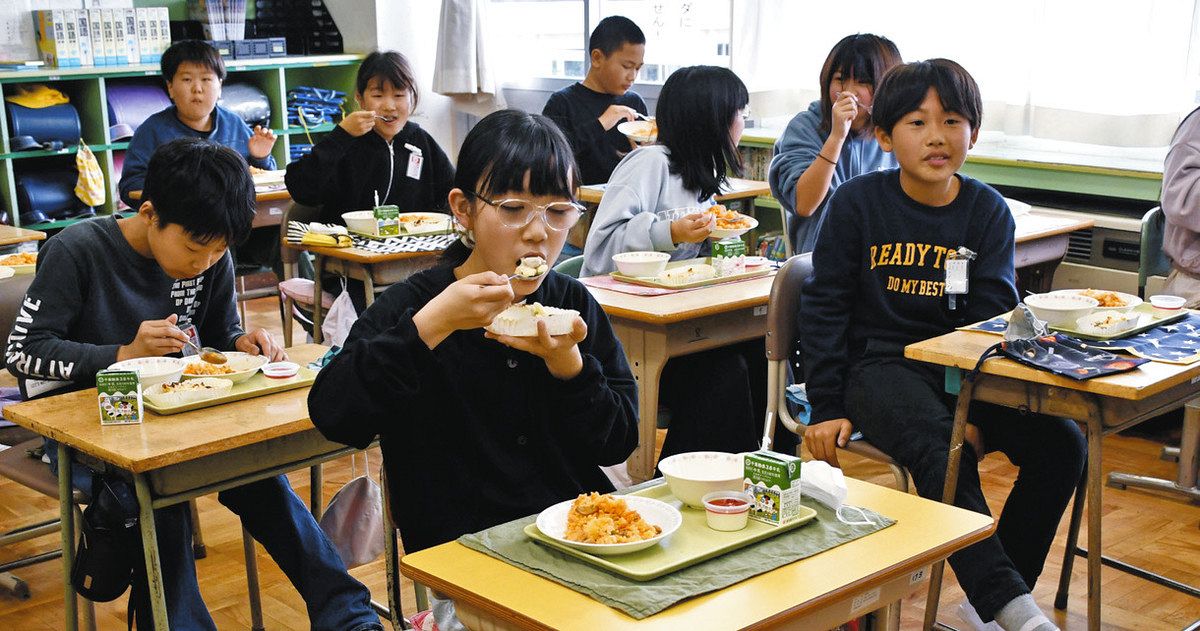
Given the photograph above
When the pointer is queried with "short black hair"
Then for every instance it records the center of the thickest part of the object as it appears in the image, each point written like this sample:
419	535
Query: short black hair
509	145
904	88
389	66
695	110
612	33
193	50
204	187
863	56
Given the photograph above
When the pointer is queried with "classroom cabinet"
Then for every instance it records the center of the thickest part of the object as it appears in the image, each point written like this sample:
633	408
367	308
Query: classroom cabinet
86	89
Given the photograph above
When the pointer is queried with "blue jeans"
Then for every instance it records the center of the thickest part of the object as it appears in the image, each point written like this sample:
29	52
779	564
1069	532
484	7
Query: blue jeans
277	519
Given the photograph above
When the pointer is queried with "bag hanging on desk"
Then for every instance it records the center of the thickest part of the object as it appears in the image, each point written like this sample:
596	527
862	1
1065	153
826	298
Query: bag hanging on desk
336	324
109	542
354	519
90	187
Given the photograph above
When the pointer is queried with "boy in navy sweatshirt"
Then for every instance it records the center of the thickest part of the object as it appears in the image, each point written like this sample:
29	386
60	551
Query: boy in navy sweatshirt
879	283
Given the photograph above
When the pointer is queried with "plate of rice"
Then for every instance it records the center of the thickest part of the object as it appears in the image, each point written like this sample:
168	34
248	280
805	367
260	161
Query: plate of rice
607	525
240	367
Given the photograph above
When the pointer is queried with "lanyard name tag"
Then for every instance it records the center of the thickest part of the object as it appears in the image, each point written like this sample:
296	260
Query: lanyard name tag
957	275
193	335
414	161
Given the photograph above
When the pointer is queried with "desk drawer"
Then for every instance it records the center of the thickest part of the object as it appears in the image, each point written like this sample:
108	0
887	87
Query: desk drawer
194	474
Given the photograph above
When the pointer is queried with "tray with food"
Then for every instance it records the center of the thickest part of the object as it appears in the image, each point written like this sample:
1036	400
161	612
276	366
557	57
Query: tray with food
411	224
689	274
194	392
1103	325
21	262
683	536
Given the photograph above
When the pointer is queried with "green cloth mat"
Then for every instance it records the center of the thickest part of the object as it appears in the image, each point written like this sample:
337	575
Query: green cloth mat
640	599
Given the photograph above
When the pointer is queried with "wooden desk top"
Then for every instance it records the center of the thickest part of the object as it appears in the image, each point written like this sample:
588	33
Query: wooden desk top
963	348
10	235
259	196
924	532
74	419
362	257
737	188
686	305
1032	226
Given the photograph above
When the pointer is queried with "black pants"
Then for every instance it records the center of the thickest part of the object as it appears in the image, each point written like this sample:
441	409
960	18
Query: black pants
718	400
902	408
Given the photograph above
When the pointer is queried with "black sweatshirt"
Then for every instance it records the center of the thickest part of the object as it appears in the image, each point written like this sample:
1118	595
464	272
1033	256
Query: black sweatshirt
344	172
92	292
577	109
475	433
878	276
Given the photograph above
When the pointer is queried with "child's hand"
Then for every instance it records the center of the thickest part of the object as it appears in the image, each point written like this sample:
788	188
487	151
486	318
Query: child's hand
560	352
824	438
615	114
469	303
259	342
260	142
693	228
845	110
154	338
358	123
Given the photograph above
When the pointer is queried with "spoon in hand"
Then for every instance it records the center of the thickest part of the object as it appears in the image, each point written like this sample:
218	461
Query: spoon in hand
386	119
209	354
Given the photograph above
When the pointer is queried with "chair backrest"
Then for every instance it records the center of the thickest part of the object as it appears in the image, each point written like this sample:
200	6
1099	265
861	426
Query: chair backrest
293	212
12	294
784	305
1152	260
571	267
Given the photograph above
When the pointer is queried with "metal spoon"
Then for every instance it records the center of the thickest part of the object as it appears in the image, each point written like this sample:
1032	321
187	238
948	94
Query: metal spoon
209	354
386	119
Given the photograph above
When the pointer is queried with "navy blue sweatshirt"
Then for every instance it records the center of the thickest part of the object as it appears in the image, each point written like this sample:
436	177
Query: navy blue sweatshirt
878	276
577	109
473	432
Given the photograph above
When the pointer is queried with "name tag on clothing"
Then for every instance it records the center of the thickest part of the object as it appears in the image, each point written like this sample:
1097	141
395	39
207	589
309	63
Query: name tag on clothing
414	161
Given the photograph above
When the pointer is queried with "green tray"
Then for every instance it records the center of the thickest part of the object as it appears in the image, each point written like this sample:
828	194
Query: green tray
1149	317
648	281
692	543
256	386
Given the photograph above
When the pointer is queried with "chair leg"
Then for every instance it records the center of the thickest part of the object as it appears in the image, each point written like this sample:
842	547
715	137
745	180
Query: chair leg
1064	579
252	588
316	479
901	477
391	556
288	305
199	550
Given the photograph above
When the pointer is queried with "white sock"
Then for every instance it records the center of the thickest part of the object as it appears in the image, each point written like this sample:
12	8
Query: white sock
1023	614
968	615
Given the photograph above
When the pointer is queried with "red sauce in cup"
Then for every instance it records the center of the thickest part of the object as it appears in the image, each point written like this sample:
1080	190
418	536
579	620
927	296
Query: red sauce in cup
727	501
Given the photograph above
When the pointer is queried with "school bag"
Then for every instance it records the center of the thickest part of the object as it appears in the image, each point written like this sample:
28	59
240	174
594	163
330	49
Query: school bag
353	521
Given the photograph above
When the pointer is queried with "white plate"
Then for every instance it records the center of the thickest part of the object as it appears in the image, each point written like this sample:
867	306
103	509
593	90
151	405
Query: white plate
639	131
1131	300
245	366
725	233
152	370
216	388
553	523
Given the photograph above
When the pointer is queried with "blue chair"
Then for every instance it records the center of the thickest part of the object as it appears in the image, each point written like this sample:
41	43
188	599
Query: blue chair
571	267
1152	261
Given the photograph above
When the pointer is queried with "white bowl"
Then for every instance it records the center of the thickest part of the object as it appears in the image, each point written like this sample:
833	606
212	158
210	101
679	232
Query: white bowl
1167	302
152	370
1060	309
695	474
361	221
1107	322
553	523
647	264
281	370
1130	300
640	131
244	366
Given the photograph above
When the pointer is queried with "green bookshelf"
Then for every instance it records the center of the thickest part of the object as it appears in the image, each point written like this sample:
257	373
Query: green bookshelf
86	87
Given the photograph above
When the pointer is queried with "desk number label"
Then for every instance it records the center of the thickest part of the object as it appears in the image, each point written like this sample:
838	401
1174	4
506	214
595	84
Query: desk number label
864	600
762	311
917	576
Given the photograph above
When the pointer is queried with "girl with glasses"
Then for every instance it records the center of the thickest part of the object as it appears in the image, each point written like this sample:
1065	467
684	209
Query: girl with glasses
479	429
716	398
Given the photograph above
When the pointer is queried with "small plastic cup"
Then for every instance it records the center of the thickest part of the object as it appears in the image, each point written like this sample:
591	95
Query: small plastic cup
727	510
1166	303
281	370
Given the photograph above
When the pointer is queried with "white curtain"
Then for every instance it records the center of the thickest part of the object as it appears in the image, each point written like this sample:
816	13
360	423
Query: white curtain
462	70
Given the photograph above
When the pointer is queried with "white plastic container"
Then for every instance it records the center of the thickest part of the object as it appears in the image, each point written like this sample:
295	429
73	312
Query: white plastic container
361	221
727	511
641	264
1167	304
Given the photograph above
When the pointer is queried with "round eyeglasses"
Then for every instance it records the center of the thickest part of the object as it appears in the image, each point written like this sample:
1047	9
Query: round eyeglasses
517	213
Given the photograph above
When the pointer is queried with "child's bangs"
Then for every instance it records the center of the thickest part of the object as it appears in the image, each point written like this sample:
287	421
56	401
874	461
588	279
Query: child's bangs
546	164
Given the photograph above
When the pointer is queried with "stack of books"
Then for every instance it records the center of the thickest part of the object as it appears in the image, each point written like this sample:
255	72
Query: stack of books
101	37
221	19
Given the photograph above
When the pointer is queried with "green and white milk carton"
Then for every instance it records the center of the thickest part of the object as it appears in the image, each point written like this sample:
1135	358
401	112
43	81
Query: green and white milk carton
729	256
120	395
387	221
774	481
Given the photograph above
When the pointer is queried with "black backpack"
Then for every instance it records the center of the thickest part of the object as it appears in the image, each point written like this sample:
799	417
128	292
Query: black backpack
109	542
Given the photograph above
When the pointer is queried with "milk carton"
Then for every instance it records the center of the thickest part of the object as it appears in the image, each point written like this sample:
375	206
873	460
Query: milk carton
120	396
387	218
774	481
729	256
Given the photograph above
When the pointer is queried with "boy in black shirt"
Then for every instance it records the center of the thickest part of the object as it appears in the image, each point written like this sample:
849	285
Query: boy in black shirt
879	284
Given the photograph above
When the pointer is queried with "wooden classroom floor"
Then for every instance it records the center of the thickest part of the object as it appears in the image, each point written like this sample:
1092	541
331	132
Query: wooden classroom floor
1158	532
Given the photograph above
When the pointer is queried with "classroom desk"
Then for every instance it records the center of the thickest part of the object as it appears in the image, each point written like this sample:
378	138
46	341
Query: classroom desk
654	329
819	592
1104	404
1041	245
11	236
371	268
268	206
175	458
